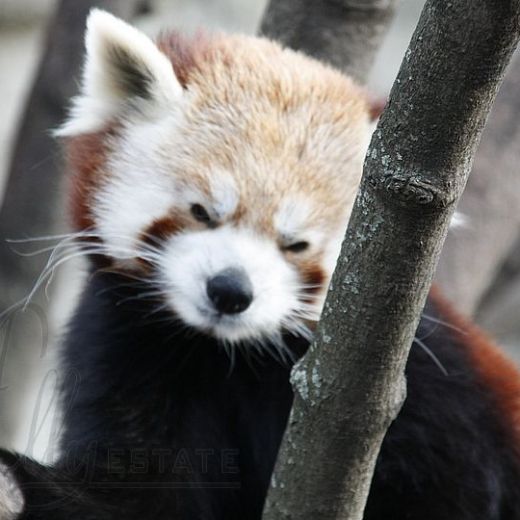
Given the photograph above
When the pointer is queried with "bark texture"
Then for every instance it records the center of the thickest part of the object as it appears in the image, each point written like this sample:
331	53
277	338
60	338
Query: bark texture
350	385
32	204
345	33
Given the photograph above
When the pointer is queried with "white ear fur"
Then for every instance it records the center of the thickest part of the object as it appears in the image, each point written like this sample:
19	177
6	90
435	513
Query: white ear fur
121	64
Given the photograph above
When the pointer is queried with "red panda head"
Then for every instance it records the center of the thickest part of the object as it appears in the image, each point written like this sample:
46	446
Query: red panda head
224	168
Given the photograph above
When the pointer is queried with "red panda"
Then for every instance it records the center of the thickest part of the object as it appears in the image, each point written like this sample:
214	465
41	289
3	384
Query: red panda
212	180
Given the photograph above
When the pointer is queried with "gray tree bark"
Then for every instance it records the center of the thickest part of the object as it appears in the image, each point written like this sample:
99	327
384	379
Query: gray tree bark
32	203
344	33
350	385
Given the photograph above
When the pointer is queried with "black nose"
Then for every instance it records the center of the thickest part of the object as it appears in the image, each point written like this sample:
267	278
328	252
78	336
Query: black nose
230	291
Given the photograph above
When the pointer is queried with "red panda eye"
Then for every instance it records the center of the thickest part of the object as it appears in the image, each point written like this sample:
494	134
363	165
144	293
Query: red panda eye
199	213
297	247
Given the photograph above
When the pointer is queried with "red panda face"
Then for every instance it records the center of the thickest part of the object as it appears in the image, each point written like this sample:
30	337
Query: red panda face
222	169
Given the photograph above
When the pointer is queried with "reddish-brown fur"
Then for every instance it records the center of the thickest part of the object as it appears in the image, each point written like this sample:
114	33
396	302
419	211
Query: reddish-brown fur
86	156
376	107
313	275
161	229
495	370
185	54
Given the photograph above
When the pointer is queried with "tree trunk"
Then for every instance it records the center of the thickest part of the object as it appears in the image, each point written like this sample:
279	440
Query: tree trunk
350	385
345	33
32	202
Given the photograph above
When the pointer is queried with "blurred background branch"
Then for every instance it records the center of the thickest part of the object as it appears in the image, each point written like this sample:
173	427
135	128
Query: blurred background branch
344	33
483	253
32	203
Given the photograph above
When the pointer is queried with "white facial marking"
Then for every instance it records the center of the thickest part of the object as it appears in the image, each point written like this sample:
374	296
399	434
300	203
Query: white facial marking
224	192
292	217
295	222
139	189
190	259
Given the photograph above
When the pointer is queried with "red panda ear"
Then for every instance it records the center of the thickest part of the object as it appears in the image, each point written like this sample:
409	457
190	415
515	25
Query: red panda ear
122	64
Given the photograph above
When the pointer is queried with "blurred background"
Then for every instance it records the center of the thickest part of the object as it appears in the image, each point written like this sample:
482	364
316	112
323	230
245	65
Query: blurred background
480	269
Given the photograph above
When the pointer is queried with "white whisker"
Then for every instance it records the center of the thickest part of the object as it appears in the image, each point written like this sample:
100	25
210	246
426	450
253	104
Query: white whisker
441	322
433	357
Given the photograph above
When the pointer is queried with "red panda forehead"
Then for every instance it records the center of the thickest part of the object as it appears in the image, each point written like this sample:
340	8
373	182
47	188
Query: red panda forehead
268	116
230	66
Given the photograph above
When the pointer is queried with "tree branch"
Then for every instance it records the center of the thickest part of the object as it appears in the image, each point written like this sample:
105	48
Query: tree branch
345	33
350	385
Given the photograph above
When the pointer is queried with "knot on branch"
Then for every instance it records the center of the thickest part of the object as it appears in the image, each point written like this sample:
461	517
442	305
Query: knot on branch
411	190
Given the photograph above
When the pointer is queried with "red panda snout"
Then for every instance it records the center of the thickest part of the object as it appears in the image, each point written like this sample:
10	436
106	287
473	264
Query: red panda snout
232	283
